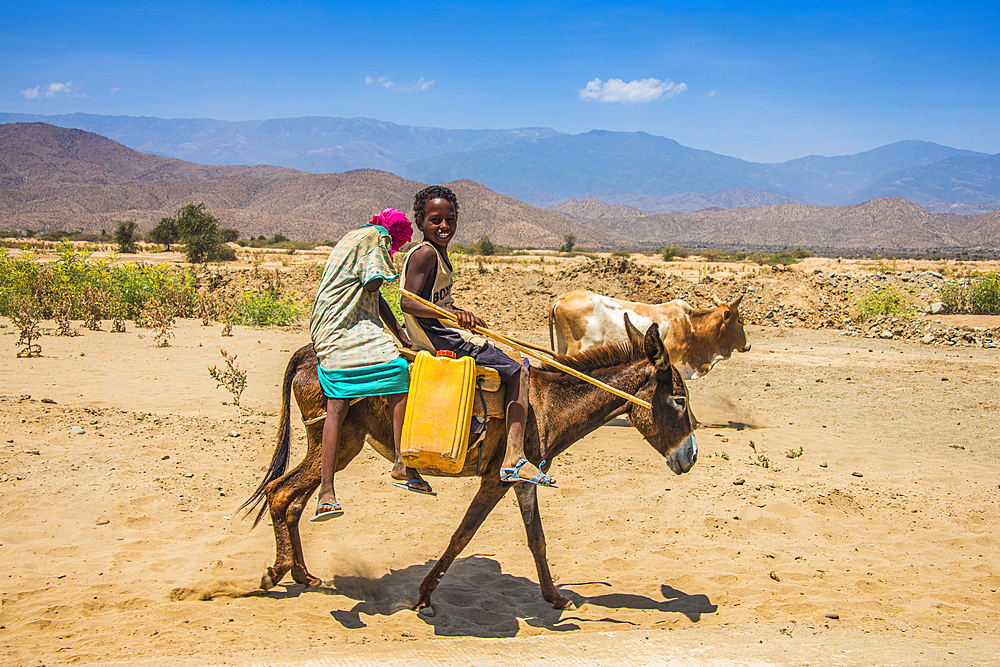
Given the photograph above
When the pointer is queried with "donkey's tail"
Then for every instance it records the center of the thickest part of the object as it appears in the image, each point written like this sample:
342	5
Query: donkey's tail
279	460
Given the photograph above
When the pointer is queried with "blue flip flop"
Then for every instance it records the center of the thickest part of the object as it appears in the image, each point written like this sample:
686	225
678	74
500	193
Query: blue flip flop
410	486
334	510
511	475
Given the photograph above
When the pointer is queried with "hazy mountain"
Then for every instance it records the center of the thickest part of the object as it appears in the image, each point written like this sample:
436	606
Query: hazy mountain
839	180
315	144
577	166
545	167
56	178
963	177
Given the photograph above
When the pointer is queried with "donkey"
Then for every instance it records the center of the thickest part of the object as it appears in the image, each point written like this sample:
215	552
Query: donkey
562	409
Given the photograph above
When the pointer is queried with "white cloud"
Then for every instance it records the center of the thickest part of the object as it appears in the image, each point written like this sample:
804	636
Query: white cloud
420	84
114	90
638	91
713	93
50	91
385	82
382	81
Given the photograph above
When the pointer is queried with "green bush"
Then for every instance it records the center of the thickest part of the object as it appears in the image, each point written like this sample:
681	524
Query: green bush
880	301
956	297
621	253
985	294
267	308
669	254
979	295
84	289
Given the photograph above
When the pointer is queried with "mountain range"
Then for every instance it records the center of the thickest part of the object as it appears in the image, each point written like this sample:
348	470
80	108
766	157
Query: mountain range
544	167
57	178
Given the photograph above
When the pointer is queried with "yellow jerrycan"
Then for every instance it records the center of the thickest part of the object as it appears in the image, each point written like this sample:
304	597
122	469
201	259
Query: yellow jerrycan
438	411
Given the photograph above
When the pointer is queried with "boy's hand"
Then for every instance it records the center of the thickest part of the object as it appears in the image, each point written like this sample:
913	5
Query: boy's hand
466	320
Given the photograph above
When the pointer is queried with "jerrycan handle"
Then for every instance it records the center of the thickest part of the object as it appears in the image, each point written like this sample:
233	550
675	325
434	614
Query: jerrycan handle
445	353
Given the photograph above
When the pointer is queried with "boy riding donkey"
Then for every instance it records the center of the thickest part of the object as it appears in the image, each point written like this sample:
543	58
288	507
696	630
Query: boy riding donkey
427	272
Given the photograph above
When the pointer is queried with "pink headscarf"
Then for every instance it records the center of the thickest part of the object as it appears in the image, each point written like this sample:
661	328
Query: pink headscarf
399	226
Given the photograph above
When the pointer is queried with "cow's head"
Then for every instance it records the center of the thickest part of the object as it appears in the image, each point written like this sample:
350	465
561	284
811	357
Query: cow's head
669	426
728	323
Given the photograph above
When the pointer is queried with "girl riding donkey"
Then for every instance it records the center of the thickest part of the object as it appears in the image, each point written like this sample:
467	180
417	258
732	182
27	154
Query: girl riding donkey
357	358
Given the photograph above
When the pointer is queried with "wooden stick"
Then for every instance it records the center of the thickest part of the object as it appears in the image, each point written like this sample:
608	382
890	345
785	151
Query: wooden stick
444	314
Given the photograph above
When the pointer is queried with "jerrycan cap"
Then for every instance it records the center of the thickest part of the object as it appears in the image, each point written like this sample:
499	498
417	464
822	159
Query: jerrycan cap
445	353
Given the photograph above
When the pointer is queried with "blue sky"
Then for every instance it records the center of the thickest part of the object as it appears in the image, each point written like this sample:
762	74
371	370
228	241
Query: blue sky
763	82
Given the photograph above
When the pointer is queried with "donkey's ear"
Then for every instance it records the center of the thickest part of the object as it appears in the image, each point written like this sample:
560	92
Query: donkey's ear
633	334
655	351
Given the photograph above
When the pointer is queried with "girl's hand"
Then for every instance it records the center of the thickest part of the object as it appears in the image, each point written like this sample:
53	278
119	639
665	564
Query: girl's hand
404	340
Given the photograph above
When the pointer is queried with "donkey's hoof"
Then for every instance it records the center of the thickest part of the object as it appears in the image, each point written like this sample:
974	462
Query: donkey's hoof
270	579
307	580
563	603
426	611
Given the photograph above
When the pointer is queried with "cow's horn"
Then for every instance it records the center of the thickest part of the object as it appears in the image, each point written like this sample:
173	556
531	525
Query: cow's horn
736	301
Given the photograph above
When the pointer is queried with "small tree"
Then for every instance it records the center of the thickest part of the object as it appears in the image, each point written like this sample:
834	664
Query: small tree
484	246
229	235
125	236
568	242
200	232
164	233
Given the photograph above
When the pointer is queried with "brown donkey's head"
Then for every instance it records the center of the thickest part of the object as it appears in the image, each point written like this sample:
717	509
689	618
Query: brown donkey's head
669	426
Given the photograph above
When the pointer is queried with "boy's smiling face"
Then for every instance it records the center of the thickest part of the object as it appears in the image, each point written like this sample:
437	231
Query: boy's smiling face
440	222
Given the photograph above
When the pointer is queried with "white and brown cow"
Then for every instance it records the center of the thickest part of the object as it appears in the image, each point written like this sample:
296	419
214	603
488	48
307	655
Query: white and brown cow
695	338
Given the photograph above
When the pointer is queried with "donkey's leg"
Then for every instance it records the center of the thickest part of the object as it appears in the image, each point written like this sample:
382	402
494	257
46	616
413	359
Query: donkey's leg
489	494
351	442
527	499
287	497
289	491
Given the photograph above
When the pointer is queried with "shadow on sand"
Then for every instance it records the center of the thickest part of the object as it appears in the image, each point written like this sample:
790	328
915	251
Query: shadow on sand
476	599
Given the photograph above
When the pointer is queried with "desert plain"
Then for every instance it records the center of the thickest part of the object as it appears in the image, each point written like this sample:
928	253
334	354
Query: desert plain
843	511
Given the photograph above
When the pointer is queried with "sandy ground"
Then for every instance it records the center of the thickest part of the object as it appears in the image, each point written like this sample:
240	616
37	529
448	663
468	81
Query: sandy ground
874	544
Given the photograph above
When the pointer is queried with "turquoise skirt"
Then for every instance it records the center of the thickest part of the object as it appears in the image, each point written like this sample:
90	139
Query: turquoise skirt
392	377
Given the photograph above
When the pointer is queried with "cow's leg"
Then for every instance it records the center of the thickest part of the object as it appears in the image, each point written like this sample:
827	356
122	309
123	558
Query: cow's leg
491	490
527	499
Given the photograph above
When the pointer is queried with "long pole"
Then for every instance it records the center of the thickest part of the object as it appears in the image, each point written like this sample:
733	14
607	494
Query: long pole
444	314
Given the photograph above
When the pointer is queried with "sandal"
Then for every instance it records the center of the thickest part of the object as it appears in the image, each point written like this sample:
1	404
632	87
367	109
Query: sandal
511	475
327	511
414	485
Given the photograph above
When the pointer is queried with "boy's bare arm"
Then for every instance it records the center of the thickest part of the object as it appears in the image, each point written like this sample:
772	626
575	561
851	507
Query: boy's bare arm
420	270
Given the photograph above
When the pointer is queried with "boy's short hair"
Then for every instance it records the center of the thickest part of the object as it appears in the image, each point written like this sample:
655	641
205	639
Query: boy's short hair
429	193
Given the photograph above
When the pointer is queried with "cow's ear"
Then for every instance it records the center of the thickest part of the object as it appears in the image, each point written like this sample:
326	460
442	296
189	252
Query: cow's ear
633	334
655	351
